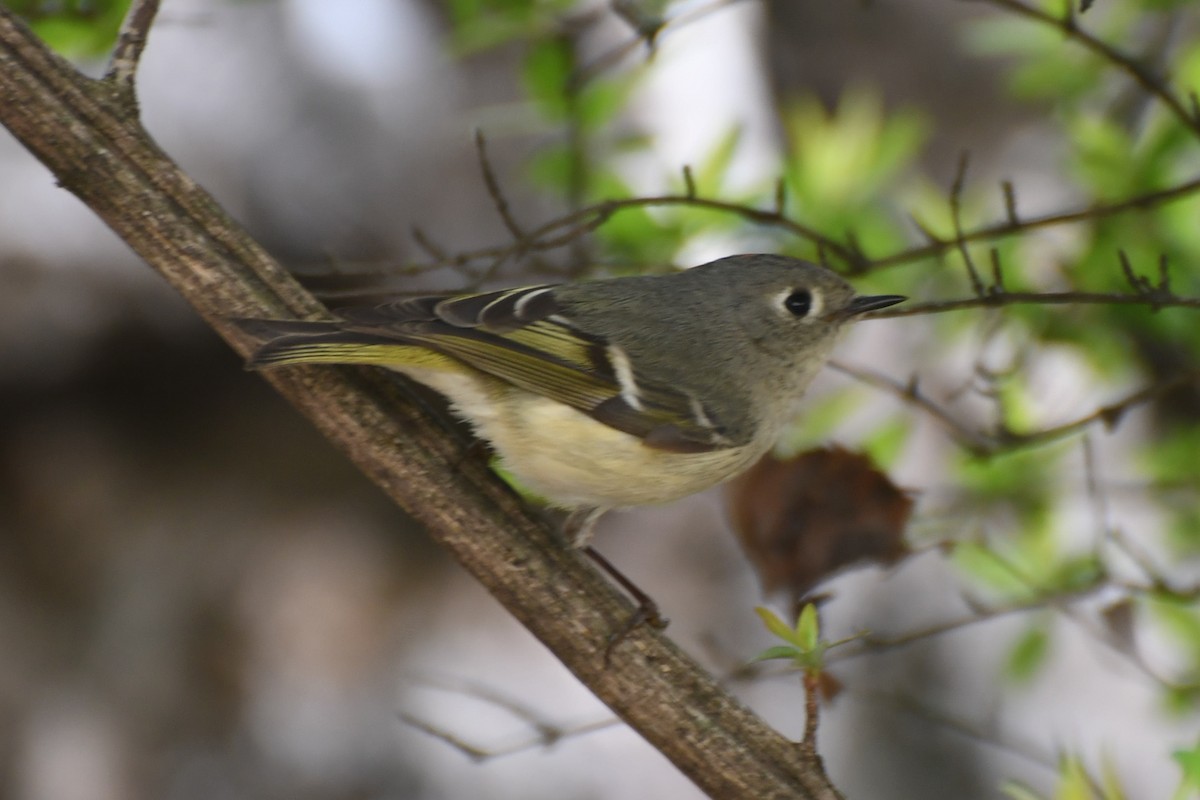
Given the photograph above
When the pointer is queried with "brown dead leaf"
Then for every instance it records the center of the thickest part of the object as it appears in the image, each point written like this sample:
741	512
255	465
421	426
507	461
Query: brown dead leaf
802	519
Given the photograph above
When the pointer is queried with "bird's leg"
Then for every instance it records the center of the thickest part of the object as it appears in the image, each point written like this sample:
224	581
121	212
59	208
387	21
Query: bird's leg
578	528
646	612
579	525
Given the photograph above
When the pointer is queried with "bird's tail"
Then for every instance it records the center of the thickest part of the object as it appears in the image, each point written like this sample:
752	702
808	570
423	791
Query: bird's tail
297	342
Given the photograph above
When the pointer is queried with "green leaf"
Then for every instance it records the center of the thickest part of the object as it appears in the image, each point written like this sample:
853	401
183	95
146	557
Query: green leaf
775	625
709	177
839	163
1073	782
75	28
886	442
779	651
601	100
808	634
819	420
1103	155
1028	653
545	73
1189	782
1110	783
1182	620
1018	792
485	24
980	561
1076	574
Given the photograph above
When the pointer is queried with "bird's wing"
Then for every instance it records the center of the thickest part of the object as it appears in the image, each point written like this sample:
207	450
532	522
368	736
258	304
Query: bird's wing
523	336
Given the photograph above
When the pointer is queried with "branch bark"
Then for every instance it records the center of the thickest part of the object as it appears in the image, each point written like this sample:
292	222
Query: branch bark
87	133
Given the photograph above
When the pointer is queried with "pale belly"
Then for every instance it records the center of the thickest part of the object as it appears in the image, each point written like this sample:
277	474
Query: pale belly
571	459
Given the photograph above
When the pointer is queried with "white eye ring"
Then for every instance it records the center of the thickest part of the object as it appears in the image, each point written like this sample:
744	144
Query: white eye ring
816	303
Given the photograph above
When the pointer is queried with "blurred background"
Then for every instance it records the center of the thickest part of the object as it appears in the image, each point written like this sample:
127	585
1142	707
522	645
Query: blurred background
199	598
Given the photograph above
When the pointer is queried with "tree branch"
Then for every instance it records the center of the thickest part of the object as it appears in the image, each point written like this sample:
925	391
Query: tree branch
96	149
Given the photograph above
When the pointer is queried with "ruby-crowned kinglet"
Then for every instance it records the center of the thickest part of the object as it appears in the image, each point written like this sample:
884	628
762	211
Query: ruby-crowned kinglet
608	393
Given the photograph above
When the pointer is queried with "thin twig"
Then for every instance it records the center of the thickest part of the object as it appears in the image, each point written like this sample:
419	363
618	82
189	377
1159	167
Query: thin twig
1069	27
1027	751
981	443
1110	415
995	300
429	246
997	287
493	188
1000	230
485	753
910	392
122	68
545	732
1100	510
474	752
564	229
956	191
614	55
1010	202
872	643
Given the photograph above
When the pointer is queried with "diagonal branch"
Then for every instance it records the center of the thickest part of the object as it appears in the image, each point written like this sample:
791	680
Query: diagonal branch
96	150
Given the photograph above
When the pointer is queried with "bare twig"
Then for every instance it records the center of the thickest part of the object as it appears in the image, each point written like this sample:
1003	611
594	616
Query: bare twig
565	229
1000	230
474	752
872	643
122	68
1026	750
614	55
1140	73
997	287
1100	510
812	712
1157	295
488	752
493	189
982	443
545	733
956	191
1110	415
1007	298
910	392
1010	203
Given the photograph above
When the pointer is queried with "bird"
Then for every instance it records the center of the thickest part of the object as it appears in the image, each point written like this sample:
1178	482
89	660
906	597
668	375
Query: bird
607	393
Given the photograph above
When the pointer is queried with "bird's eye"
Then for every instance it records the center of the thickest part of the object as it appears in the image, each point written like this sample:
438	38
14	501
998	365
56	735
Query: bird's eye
799	303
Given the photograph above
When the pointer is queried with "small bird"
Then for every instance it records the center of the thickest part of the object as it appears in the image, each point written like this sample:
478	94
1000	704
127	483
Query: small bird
608	393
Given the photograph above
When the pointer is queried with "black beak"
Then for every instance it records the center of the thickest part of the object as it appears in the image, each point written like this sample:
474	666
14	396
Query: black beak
865	303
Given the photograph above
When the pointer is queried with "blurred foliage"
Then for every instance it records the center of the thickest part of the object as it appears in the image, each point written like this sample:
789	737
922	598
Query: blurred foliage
840	161
1189	762
1029	652
80	29
482	24
1074	783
